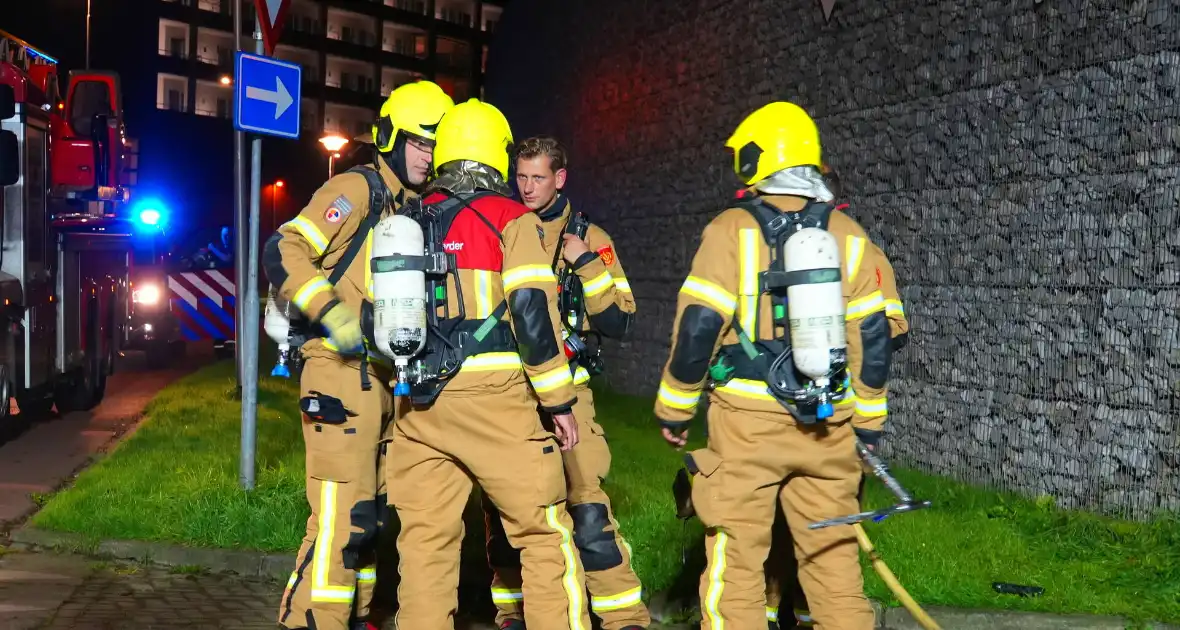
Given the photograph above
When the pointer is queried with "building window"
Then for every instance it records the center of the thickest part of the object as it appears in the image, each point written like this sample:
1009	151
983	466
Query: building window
213	99
308	59
491	17
173	39
215	47
453	55
455	14
171	92
392	79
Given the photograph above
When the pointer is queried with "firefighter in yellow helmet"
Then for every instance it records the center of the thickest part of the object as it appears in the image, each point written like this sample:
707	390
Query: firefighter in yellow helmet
469	415
782	583
319	262
792	383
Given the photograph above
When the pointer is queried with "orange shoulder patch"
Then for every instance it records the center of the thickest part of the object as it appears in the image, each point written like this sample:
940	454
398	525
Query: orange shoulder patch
606	254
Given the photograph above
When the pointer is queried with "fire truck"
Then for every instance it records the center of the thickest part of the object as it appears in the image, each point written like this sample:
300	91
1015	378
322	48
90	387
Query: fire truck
66	233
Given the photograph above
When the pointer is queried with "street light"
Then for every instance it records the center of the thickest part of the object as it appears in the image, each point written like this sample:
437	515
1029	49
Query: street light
225	80
333	143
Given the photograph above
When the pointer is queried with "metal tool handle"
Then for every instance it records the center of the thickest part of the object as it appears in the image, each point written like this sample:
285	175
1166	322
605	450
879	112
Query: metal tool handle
881	471
906	502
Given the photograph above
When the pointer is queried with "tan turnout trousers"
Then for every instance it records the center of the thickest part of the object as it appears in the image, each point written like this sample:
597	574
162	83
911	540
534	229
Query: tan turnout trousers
497	441
786	604
335	569
616	595
753	461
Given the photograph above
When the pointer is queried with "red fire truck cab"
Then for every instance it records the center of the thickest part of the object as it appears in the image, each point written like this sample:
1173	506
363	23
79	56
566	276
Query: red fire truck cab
65	237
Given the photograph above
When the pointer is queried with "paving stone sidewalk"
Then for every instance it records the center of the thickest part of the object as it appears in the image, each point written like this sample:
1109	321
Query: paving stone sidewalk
63	591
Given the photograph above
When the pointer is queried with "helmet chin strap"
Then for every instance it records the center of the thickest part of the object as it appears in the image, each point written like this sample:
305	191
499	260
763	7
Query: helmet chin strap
396	159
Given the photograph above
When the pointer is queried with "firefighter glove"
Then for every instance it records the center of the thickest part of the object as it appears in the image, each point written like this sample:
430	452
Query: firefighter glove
345	329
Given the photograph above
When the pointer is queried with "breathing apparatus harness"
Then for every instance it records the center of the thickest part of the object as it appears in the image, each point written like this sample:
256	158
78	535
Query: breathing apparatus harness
379	198
571	304
450	337
771	360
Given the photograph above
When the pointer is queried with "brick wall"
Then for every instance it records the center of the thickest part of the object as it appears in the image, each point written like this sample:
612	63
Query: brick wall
1017	160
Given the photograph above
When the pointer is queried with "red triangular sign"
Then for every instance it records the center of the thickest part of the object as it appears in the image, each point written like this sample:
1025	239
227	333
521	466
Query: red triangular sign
271	16
827	6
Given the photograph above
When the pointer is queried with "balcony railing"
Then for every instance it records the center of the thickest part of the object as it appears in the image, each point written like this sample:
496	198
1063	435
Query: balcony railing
357	37
175	53
176	106
222	58
413	6
217	112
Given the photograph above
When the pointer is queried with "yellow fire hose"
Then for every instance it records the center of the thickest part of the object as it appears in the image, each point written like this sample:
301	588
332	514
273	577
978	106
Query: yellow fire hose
891	581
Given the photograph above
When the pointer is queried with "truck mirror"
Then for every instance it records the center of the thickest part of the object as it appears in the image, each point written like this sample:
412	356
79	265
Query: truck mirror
9	159
7	102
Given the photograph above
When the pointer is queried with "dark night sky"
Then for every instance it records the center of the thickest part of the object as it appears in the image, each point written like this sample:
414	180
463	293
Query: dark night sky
56	26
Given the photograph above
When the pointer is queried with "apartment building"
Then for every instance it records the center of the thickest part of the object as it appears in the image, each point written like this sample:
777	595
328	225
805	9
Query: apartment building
353	54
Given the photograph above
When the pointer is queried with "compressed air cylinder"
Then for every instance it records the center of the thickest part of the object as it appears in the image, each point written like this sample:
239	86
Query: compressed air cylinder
399	294
278	326
815	303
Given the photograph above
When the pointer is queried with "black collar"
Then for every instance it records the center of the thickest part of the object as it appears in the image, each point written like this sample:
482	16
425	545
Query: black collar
555	211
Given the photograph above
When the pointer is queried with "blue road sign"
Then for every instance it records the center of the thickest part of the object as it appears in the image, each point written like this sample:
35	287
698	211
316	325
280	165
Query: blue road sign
266	95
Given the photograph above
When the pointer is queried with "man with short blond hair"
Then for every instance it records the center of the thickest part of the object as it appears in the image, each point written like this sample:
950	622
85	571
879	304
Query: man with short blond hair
594	300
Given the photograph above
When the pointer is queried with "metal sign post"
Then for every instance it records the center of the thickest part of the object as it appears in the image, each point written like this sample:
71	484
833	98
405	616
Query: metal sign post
240	221
266	101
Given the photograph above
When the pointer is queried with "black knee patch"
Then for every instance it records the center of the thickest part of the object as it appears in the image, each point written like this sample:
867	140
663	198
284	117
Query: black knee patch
596	545
361	545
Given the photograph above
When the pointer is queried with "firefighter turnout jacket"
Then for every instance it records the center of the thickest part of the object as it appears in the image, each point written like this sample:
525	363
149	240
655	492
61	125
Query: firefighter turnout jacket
608	306
304	252
722	295
505	275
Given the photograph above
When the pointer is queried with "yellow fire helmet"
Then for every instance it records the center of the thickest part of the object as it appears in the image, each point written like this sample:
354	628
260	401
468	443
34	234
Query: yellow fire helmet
414	109
776	136
475	131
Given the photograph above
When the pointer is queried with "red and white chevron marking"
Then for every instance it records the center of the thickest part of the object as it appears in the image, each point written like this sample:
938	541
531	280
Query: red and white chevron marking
191	286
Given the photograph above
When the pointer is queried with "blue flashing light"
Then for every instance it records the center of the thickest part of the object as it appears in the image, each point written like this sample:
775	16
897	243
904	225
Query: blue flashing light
149	216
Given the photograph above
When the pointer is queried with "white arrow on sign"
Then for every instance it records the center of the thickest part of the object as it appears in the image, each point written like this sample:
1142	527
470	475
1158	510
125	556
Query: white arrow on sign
279	96
827	5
